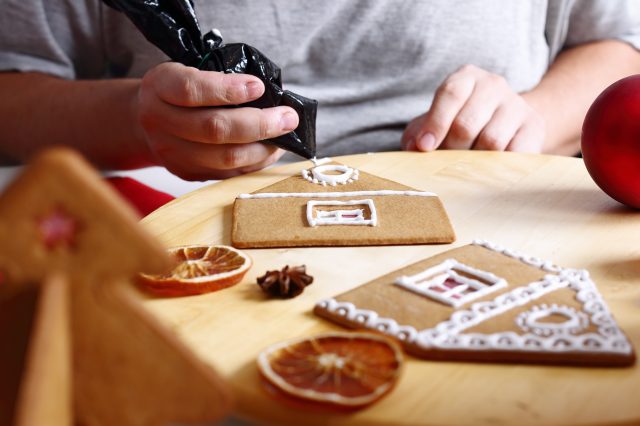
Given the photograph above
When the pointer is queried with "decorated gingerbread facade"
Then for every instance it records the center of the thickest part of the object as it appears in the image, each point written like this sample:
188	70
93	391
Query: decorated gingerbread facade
484	303
80	347
336	205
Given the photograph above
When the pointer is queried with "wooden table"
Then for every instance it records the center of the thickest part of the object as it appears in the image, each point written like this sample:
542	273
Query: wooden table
543	206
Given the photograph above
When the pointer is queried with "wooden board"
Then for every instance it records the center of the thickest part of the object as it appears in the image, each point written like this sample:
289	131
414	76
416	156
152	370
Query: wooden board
544	206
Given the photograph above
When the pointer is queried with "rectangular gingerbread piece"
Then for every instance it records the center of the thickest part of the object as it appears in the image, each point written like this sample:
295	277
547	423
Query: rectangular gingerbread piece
349	208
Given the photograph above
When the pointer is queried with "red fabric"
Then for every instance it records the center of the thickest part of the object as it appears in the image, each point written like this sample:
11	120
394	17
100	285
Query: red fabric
144	198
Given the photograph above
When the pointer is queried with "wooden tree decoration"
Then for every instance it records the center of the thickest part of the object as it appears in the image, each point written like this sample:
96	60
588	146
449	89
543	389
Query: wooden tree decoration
76	344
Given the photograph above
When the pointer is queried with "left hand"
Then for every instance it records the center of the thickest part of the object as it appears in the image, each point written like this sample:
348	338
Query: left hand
475	109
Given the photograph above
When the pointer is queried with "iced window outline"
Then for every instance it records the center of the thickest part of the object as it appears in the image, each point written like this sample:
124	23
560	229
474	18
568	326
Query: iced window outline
436	276
337	217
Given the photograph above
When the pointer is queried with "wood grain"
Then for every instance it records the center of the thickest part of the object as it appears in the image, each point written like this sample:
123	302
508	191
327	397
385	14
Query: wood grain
543	206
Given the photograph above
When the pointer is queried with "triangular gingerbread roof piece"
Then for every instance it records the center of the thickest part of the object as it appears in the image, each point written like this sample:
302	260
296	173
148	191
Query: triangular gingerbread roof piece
336	205
156	380
61	224
63	216
484	303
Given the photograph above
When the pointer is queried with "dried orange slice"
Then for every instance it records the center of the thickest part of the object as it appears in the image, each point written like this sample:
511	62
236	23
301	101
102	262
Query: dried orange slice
343	369
199	269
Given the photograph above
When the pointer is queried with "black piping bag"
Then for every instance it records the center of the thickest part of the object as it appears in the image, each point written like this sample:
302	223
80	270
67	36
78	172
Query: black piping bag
172	26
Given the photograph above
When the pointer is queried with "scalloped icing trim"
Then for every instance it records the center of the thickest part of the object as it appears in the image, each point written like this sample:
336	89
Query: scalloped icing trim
318	175
446	335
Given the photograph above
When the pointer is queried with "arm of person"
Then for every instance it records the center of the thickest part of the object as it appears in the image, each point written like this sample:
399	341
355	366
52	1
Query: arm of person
475	109
169	117
572	83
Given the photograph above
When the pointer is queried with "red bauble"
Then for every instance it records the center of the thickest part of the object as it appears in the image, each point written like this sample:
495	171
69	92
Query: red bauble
611	141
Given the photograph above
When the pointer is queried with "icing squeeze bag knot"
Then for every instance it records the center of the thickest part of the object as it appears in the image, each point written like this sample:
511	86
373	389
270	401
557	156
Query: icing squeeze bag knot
172	26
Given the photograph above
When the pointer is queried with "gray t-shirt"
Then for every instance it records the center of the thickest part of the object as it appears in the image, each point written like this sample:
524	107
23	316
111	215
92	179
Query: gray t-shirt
373	65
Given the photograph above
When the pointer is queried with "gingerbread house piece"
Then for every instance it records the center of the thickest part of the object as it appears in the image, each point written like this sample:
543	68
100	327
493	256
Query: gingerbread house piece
69	250
45	386
484	303
335	205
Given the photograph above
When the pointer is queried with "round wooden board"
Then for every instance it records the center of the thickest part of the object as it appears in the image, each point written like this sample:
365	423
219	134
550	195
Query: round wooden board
543	206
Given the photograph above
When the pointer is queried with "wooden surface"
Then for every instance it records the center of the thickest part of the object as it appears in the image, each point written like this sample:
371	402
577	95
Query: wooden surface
543	206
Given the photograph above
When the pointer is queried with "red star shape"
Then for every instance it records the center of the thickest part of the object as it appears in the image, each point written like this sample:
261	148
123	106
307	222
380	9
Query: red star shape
58	228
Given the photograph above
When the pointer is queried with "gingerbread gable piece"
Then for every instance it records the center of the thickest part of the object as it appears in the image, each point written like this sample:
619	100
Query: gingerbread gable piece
78	346
335	205
481	302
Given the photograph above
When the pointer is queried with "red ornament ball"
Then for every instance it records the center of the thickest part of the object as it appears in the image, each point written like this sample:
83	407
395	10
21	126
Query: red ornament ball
611	141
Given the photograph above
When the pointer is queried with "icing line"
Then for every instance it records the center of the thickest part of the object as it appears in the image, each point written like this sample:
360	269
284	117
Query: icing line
320	161
383	192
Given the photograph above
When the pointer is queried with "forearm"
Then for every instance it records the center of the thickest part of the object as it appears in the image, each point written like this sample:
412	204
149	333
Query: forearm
572	83
95	117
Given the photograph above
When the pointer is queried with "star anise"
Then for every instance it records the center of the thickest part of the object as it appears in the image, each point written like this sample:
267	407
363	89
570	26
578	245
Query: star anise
287	283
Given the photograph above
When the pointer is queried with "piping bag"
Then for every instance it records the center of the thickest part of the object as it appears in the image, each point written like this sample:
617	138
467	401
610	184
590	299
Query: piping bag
172	26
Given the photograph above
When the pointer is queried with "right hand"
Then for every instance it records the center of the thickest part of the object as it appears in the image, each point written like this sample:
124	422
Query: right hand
178	117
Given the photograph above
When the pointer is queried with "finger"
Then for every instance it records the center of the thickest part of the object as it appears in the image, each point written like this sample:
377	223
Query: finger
261	165
447	102
528	138
185	86
488	93
501	128
408	140
188	159
221	125
199	175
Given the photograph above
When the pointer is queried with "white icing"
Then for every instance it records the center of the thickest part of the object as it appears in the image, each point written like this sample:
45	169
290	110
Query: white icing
352	194
320	161
318	174
482	311
446	335
369	319
529	321
545	265
341	217
426	282
356	215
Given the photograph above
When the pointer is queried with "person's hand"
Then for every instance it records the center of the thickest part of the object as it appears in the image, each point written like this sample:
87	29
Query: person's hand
187	134
475	109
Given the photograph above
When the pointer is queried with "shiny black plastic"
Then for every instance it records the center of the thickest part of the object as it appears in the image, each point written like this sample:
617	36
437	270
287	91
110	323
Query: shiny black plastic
173	27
